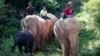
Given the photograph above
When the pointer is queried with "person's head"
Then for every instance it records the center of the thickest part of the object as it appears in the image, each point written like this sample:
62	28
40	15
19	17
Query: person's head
70	3
44	7
30	4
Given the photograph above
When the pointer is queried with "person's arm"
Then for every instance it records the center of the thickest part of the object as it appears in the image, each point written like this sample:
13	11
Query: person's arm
26	11
34	10
65	10
72	12
41	12
46	12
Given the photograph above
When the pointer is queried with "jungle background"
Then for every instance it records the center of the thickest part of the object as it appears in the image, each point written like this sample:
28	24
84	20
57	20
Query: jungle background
87	11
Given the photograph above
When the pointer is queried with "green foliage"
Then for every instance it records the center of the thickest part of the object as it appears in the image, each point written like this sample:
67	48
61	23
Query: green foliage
2	16
52	5
89	37
93	8
88	42
2	10
8	26
17	3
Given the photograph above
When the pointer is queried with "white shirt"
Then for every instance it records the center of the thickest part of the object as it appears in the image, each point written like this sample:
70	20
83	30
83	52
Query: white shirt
43	12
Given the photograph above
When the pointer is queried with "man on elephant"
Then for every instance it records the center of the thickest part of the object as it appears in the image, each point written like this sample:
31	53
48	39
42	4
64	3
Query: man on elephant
43	13
30	10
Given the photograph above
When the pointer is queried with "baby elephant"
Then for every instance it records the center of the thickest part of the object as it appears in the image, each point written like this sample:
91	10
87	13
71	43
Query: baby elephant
24	38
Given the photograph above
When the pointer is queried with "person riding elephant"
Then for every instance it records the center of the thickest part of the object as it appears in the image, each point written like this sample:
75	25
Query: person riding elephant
43	13
30	10
68	12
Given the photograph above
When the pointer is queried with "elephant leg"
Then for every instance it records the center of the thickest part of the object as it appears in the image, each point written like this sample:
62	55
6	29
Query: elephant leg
26	49
65	47
20	48
73	37
31	47
36	44
64	42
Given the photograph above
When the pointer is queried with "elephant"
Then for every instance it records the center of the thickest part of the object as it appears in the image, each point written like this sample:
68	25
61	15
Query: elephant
24	38
42	29
67	31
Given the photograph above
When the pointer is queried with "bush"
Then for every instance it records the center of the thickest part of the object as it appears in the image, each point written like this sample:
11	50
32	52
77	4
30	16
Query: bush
89	36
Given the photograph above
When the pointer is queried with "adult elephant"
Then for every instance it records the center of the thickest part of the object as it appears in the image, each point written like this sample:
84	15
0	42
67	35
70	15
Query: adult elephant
41	28
67	32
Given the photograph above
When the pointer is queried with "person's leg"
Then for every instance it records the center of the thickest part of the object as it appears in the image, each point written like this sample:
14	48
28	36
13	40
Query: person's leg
47	17
64	16
44	17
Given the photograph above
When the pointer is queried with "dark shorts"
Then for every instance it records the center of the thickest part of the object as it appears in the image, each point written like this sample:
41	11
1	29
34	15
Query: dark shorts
64	16
45	17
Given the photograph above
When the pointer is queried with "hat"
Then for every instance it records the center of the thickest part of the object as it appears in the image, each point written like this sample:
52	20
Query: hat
70	2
